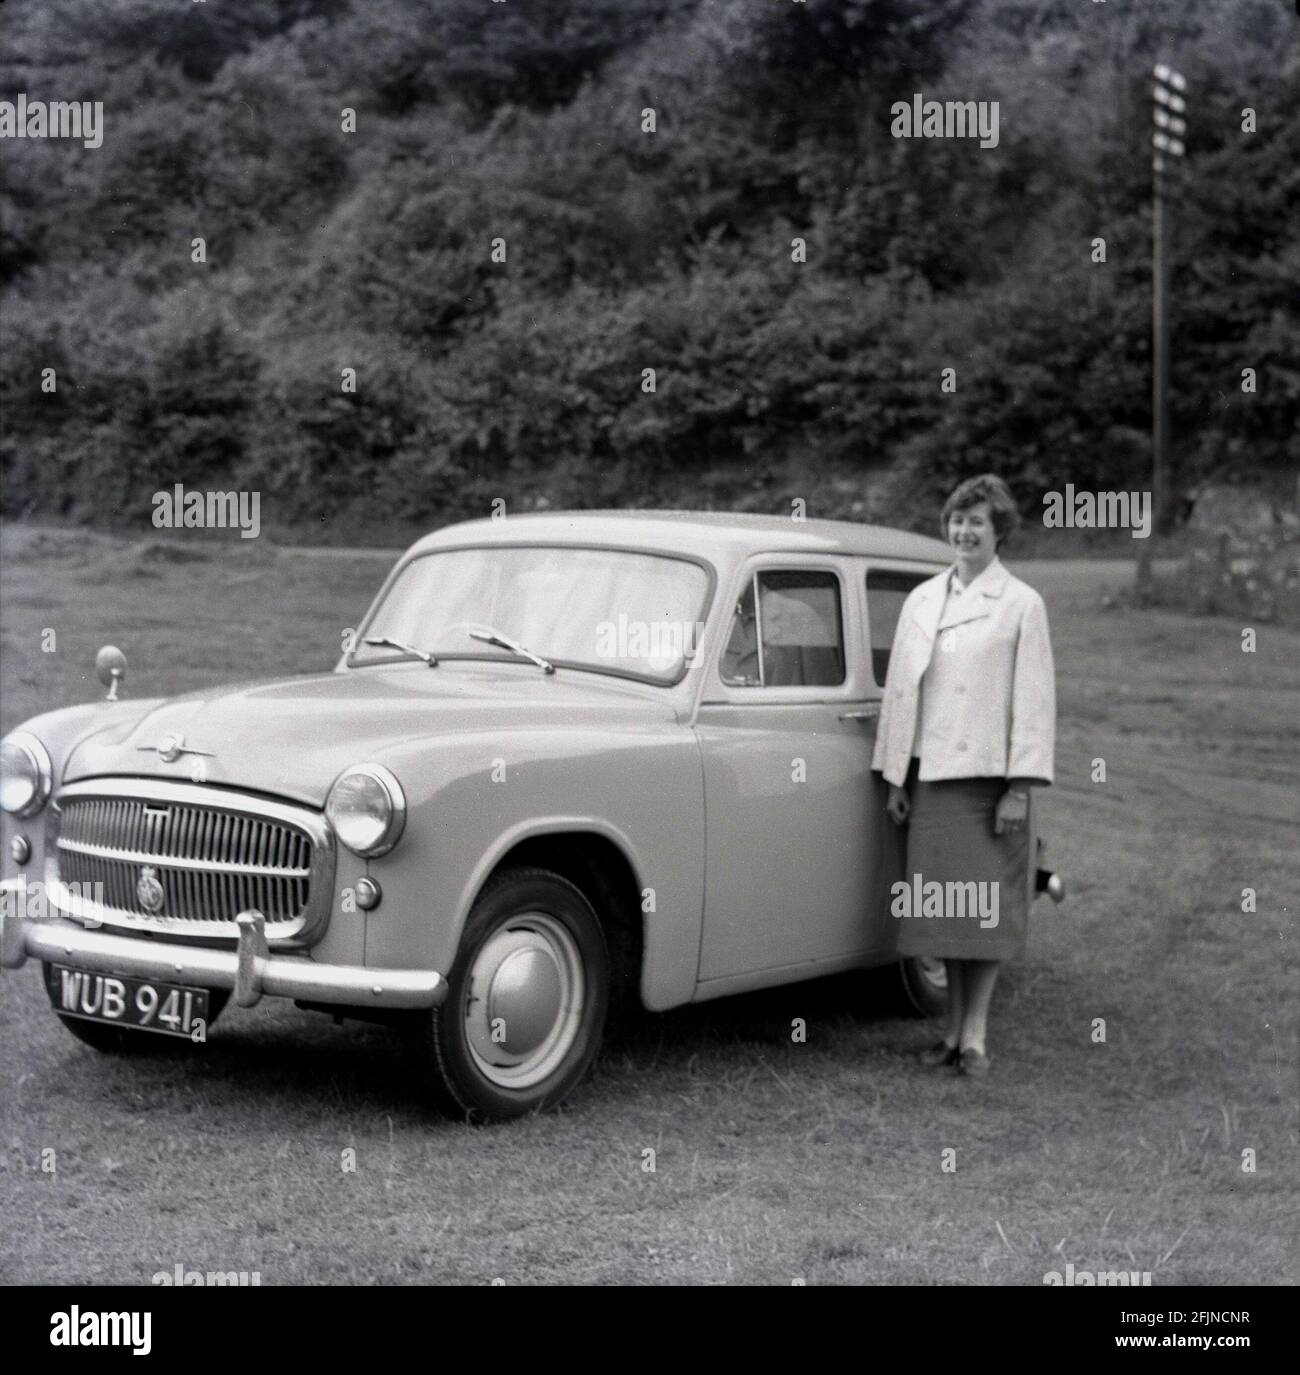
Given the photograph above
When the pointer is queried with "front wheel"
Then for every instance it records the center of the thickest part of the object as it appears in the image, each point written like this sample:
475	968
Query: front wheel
526	1000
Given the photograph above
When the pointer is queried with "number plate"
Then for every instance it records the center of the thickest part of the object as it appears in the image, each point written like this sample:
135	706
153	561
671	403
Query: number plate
171	1009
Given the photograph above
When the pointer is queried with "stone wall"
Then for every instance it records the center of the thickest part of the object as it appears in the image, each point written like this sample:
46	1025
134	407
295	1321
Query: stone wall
1243	555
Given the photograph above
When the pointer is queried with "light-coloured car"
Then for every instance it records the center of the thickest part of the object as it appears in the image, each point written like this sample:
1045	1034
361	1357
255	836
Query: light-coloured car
570	759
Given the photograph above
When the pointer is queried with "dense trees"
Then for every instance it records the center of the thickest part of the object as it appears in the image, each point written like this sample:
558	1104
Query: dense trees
501	250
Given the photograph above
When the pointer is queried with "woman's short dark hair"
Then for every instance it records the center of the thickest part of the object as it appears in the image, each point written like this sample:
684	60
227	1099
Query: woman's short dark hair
987	487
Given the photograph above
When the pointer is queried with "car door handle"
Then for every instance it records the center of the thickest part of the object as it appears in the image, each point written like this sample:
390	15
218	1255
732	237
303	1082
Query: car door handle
866	714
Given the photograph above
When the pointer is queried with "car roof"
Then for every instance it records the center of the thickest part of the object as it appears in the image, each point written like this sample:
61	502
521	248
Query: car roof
706	534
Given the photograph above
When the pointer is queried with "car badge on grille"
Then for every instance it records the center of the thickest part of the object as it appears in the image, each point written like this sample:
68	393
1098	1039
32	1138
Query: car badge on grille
149	890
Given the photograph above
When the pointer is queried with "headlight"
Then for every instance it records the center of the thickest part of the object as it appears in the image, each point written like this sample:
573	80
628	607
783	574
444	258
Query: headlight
25	774
367	809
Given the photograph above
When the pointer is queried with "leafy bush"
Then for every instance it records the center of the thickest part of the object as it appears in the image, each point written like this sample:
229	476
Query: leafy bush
626	250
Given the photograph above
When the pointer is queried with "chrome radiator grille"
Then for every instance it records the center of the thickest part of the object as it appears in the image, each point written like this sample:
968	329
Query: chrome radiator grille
177	858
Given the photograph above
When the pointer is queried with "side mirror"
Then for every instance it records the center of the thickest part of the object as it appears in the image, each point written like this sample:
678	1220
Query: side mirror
110	669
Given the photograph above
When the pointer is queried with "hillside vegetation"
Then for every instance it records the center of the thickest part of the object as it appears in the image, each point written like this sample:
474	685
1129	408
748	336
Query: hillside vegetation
327	249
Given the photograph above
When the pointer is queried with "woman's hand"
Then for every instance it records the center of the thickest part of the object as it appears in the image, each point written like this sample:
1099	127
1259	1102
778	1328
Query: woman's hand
898	805
1012	812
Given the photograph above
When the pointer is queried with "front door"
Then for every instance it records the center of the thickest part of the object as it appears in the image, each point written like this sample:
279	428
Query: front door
800	853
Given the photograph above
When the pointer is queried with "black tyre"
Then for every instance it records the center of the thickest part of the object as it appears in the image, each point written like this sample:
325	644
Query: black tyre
128	1040
925	985
526	1003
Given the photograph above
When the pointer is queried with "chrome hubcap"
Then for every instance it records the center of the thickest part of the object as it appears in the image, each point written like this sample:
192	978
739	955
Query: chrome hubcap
525	1001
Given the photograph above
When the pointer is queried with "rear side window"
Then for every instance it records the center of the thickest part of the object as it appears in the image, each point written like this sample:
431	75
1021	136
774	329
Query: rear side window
787	631
886	593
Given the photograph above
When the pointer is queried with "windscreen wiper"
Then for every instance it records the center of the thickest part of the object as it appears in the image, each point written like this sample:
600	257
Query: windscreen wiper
385	642
495	637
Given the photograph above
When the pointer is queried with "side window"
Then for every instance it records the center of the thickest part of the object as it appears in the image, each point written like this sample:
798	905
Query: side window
787	631
886	593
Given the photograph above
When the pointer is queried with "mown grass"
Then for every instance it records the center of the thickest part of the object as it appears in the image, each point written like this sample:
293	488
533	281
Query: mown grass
773	1160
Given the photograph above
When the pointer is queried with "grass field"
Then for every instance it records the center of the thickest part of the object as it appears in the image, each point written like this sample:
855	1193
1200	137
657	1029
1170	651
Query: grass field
772	1160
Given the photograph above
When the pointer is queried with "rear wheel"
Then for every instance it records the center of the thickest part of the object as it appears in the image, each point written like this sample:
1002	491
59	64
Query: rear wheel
925	984
526	1001
128	1040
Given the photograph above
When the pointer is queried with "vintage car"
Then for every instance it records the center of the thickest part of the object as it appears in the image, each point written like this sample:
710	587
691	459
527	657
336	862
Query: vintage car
568	760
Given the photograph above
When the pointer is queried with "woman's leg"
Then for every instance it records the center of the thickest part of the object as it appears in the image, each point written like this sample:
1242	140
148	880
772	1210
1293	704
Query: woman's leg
956	1000
980	977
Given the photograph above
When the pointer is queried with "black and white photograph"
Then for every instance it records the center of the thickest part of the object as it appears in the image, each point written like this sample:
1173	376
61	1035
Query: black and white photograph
649	644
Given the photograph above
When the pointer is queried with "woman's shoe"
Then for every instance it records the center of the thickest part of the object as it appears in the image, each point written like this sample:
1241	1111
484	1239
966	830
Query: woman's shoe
939	1054
973	1063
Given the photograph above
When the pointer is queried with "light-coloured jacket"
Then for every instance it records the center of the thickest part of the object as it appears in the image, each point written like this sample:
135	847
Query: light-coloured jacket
996	716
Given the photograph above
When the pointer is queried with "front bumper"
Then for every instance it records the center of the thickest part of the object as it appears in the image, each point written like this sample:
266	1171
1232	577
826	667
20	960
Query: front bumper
250	970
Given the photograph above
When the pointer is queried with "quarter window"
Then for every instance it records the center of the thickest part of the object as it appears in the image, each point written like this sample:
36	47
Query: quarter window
886	593
787	631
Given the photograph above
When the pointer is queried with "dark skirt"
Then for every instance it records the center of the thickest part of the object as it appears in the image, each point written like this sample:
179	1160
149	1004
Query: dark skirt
971	899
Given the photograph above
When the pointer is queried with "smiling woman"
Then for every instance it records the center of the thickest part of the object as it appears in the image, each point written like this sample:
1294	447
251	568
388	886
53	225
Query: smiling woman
967	727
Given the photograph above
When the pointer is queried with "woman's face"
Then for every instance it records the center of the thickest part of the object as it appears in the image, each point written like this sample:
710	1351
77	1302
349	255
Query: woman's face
971	534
